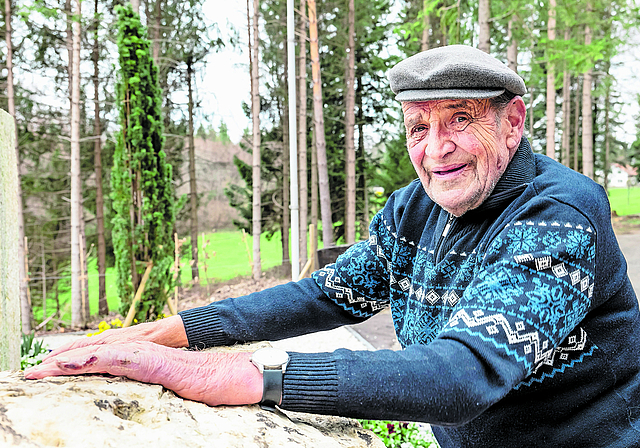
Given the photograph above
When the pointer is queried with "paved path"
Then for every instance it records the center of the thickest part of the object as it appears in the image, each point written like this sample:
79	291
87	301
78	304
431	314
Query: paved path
630	245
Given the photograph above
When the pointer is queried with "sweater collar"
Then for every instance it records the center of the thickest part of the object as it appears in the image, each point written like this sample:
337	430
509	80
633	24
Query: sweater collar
519	173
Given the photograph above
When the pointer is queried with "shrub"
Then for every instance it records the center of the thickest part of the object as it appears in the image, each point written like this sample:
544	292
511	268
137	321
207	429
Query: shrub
401	434
32	351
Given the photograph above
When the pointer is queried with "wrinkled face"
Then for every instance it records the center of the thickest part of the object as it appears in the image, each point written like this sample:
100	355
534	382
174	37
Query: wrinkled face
460	149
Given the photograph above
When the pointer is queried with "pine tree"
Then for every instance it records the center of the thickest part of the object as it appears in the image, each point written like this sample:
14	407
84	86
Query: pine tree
143	197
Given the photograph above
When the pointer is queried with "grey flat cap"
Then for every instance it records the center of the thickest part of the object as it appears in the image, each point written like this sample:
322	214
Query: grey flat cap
452	72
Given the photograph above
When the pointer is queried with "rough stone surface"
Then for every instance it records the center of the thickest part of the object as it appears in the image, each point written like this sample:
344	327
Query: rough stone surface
104	411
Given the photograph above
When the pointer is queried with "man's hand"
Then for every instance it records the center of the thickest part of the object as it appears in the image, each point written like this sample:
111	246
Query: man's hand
169	331
211	378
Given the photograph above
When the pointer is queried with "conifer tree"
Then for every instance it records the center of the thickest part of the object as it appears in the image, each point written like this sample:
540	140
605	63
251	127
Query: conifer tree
142	193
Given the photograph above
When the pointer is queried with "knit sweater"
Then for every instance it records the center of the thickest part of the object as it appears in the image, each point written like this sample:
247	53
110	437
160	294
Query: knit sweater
518	322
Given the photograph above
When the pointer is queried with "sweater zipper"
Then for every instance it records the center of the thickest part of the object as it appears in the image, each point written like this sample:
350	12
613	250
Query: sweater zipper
445	232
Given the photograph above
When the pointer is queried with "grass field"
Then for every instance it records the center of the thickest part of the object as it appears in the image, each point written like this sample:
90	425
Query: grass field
225	254
625	201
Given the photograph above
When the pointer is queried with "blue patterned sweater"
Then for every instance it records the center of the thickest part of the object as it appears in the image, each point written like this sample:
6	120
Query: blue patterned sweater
518	323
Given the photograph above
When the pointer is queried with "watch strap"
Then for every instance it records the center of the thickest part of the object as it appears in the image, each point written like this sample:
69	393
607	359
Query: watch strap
272	388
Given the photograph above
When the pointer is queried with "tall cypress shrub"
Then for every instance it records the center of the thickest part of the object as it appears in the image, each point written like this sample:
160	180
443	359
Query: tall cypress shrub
143	198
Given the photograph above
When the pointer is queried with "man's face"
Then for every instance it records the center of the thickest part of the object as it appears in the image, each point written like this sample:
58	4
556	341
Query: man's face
460	149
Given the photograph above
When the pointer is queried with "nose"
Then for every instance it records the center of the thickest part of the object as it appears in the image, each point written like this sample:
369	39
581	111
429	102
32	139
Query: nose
439	142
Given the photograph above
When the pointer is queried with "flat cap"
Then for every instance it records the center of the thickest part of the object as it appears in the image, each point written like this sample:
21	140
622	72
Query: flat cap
453	72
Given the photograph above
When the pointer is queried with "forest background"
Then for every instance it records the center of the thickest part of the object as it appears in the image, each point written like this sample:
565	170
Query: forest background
65	81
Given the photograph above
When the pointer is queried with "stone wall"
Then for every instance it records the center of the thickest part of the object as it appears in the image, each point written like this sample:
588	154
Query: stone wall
102	411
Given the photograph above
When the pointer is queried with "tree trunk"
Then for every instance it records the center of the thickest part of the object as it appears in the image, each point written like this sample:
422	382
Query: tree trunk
576	127
318	121
314	191
350	150
566	110
254	50
286	169
587	117
361	165
193	186
512	49
484	14
25	306
103	306
531	97
303	194
551	82
155	51
136	6
9	261
566	118
84	283
426	23
607	127
76	298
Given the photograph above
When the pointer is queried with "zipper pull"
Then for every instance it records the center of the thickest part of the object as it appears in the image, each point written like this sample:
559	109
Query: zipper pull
447	226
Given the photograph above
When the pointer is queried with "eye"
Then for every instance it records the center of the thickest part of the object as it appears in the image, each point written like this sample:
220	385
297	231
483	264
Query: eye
460	121
420	128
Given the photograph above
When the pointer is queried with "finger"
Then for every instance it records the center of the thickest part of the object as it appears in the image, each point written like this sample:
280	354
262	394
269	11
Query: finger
133	360
63	365
78	343
107	337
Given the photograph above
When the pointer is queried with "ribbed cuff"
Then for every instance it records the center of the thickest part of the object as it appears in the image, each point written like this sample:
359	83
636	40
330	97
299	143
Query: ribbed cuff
203	327
310	383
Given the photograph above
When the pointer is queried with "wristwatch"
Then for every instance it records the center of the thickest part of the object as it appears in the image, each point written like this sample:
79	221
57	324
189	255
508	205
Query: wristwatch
272	363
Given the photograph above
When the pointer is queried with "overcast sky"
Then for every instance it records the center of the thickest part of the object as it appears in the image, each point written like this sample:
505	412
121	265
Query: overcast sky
226	83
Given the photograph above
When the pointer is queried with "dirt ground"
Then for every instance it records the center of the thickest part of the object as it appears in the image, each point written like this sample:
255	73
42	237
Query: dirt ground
626	224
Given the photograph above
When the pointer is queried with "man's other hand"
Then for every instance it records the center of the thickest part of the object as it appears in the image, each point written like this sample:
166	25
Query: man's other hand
169	332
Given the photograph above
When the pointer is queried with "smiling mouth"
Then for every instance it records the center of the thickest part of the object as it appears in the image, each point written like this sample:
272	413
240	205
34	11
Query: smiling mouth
449	170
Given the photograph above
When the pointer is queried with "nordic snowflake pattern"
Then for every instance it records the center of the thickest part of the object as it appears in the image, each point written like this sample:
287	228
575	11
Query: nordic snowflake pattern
578	243
522	239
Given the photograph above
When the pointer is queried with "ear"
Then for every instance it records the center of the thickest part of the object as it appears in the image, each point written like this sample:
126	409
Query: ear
513	119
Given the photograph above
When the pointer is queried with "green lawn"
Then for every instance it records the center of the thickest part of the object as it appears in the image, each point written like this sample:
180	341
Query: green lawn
625	201
225	256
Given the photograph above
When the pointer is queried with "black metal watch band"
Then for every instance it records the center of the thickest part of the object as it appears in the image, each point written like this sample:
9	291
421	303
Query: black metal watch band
272	388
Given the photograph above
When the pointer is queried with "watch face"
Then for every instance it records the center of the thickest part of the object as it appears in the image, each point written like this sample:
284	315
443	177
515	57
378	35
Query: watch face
270	357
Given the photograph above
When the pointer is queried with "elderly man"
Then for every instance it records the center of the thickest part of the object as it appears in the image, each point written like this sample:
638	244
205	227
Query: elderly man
508	291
